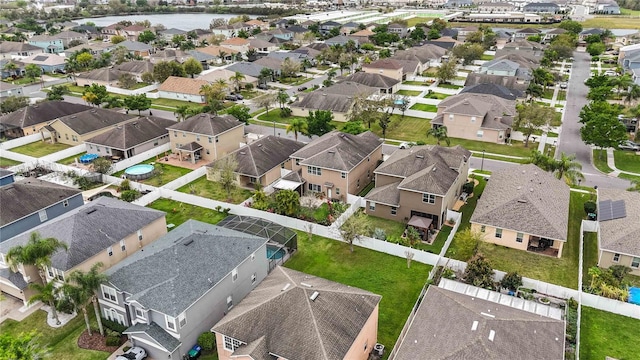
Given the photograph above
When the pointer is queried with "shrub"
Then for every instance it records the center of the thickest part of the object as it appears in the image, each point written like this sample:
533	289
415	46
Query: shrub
468	187
420	143
112	341
113	326
130	195
207	340
64	305
285	112
248	87
479	272
125	185
590	207
379	234
511	281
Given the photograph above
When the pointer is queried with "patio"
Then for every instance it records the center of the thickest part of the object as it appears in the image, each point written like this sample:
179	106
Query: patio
174	160
542	246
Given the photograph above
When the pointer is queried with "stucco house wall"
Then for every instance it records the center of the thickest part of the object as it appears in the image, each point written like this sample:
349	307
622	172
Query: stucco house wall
508	238
606	260
213	147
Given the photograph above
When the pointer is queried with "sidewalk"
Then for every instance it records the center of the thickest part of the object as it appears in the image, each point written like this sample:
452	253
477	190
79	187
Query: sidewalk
611	162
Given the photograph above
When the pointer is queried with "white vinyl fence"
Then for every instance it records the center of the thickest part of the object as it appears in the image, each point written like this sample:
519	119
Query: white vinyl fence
144	90
21	141
123	164
184	180
63	154
15	156
611	305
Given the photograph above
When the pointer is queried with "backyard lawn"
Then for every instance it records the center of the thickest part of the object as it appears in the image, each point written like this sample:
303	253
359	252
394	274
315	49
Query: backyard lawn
486	57
408	128
213	190
62	341
408	92
179	212
425	107
71	159
39	148
629	177
605	334
274	115
4	162
502	158
417	20
627	161
374	271
437	96
590	256
164	173
417	83
449	86
600	161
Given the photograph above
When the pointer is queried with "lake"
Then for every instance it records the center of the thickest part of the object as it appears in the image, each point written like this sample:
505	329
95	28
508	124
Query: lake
179	21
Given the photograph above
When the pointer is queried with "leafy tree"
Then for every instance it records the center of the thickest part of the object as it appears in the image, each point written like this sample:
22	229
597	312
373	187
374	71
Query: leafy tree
595	49
568	169
116	39
319	122
192	67
468	52
433	34
146	36
593	38
595	108
240	112
265	101
621	82
384	53
531	118
214	96
90	282
243	34
126	81
265	75
36	252
102	165
542	161
383	122
479	272
418	34
47	293
237	79
13	103
382	36
32	71
571	26
355	228
57	92
84	59
599	93
22	346
447	70
147	77
511	281
130	195
11	68
164	69
289	68
225	173
467	241
137	102
534	91
207	340
282	98
353	127
297	126
440	134
542	76
287	202
181	112
632	94
603	131
95	94
79	297
112	102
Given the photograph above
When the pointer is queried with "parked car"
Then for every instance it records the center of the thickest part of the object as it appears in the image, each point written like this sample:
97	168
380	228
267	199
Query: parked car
629	145
610	73
404	145
135	353
239	96
231	98
563	85
263	86
302	88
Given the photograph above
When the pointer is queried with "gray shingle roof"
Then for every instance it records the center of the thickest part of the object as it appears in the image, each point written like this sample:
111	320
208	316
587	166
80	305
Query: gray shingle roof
525	199
510	82
138	67
442	330
335	98
13	277
102	74
271	320
262	155
133	133
495	112
174	271
387	194
246	68
621	235
493	89
135	45
501	65
207	124
38	113
157	333
373	80
29	196
94	119
339	151
423	54
13	46
90	229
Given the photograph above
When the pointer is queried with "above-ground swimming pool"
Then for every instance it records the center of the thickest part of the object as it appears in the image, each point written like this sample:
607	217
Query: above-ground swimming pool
273	252
139	172
87	158
634	295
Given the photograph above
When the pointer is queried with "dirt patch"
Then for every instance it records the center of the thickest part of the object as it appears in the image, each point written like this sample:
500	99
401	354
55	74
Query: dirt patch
97	342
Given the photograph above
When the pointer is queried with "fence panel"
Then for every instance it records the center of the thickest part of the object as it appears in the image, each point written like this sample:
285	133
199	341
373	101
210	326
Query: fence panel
21	141
15	156
356	204
184	180
143	90
63	154
611	305
123	164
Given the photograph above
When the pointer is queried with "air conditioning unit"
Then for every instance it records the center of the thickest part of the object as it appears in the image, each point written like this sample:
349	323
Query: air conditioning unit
379	349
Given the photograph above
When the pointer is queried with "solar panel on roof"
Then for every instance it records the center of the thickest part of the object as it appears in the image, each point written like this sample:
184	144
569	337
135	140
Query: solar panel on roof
40	58
611	210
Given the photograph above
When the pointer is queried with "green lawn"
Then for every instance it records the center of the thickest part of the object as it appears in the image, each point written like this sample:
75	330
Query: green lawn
600	161
179	212
590	256
502	158
487	57
21	81
438	243
424	107
629	12
449	86
164	173
467	210
408	92
629	177
562	95
274	115
39	148
70	159
606	334
249	94
418	83
390	227
62	341
296	81
547	94
173	103
436	95
4	162
407	129
417	20
374	271
627	161
213	190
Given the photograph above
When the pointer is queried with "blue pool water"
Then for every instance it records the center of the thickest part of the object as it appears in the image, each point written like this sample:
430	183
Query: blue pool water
274	253
634	295
139	169
87	158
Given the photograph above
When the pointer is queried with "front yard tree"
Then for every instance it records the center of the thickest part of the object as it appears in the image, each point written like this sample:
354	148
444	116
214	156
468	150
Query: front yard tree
214	96
32	71
237	79
319	122
146	36
603	131
355	228
11	68
90	283
13	103
596	48
192	67
479	272
440	134
57	92
79	297
126	81
138	102
289	68
568	169
240	112
287	202
95	94
447	70
265	101
468	52
531	118
282	98
47	294
297	126
36	252
384	121
21	346
225	170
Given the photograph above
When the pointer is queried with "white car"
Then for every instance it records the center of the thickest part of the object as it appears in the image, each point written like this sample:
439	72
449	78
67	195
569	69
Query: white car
563	85
135	353
610	73
404	145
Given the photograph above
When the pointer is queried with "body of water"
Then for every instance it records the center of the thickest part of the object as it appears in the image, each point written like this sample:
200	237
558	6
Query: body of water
179	21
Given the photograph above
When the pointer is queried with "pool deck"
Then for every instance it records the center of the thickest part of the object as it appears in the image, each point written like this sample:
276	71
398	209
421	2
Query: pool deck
174	161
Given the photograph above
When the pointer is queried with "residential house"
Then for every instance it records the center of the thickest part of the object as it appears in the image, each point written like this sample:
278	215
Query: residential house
262	47
112	30
551	34
349	28
28	203
478	117
238	44
337	164
47	62
50	44
168	34
29	120
623	37
281	33
106	230
130	139
7	90
454	4
635	75
79	127
101	76
181	285
338	99
618	215
18	50
510	82
363	36
524	48
401	30
274	319
231	30
206	136
226	75
272	63
384	84
260	162
184	89
631	59
467	322
495	7
296	29
427	55
445	42
609	7
137	48
466	31
257	24
503	67
502	38
541	8
95	48
524	208
132	32
389	68
493	89
135	68
220	53
409	68
282	23
419	185
246	68
525	33
626	51
343	41
327	26
307	23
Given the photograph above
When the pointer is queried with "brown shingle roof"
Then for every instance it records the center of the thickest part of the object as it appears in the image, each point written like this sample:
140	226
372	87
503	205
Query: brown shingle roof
384	64
207	124
133	133
339	151
235	41
182	85
495	112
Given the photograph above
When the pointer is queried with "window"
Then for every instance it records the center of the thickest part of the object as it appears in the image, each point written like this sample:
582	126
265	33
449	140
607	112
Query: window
208	151
184	134
139	313
343	175
394	210
231	344
171	322
66	136
50	271
451	117
110	251
65	203
372	206
519	237
43	215
217	138
297	161
155	143
229	302
499	233
139	234
479	133
234	274
337	191
483	228
314	187
175	134
252	180
473	119
197	137
210	140
314	170
635	262
109	293
253	278
429	198
616	257
182	320
123	247
282	166
366	345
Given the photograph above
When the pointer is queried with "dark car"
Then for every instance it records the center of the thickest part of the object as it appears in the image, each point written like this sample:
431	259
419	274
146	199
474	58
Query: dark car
263	86
302	88
231	98
240	97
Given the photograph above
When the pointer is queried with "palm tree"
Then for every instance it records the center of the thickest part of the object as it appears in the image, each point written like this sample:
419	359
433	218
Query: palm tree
541	160
632	94
635	186
282	98
534	91
266	75
222	56
306	64
11	67
237	79
90	282
47	294
297	126
621	82
181	112
440	133
222	83
251	54
37	252
568	168
79	298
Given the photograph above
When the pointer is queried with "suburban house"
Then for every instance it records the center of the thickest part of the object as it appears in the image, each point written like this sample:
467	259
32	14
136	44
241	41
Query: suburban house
238	44
50	44
77	128
623	37
525	33
495	7
349	27
551	34
7	90
419	185
246	68
28	203
18	50
541	8
220	53
338	99
261	162
132	32
618	215
631	60
401	30
525	48
427	55
476	117
226	75
47	62
135	68
386	67
6	177
95	48
281	33
510	82
467	322
524	208
262	47
29	120
273	320
184	89
493	89
384	84
362	35
337	164
130	139
106	230
506	67
137	48
181	285
466	31
168	34
206	136
102	76
231	30
327	26
609	7
627	51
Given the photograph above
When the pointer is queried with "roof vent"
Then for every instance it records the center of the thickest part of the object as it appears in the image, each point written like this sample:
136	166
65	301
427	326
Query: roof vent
419	156
434	169
286	287
492	335
73	116
332	151
243	153
519	187
305	284
188	242
314	296
259	145
522	201
93	111
530	189
91	211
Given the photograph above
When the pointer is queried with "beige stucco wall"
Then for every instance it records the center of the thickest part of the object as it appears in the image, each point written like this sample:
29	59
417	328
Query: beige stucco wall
227	142
88	82
31	274
368	335
606	260
33	129
392	73
463	127
508	238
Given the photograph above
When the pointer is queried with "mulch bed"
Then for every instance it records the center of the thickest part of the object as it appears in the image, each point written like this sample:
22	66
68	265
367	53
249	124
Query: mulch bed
97	342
